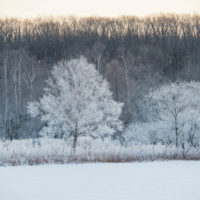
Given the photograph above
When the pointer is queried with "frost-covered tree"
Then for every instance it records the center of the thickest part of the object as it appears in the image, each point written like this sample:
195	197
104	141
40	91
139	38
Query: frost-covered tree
174	116
77	102
175	109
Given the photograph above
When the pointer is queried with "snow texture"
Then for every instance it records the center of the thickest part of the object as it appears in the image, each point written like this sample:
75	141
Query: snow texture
170	180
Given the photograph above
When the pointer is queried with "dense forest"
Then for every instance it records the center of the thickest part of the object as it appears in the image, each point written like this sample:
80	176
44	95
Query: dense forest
134	54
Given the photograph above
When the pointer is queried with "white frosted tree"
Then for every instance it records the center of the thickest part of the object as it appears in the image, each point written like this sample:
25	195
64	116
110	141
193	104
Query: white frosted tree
174	117
77	102
175	112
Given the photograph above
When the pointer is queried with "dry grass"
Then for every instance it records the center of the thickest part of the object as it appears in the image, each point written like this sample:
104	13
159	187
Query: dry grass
49	151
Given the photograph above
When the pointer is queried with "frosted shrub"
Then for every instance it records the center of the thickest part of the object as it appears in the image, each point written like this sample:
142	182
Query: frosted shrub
29	152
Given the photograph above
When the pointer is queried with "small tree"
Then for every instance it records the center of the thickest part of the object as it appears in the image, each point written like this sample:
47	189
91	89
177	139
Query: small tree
77	102
175	110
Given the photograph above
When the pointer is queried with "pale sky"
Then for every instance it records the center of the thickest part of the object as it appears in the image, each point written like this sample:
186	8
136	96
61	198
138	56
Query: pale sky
32	8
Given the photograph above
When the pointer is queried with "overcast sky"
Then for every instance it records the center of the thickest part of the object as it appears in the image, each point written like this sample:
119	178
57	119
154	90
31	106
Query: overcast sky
31	8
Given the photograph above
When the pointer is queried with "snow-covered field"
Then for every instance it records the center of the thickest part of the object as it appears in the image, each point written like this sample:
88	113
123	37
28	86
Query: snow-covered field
168	180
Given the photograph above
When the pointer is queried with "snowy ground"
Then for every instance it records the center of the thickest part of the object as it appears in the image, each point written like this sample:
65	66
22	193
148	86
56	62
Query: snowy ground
168	180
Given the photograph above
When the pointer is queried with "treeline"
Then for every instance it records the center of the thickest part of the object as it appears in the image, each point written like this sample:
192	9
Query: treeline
132	53
50	39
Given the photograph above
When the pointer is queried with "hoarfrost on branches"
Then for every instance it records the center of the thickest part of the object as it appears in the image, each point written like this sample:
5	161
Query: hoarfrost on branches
174	116
77	102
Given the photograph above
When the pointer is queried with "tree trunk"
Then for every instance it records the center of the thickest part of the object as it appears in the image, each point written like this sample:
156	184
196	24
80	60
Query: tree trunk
176	131
6	98
176	137
116	89
75	141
